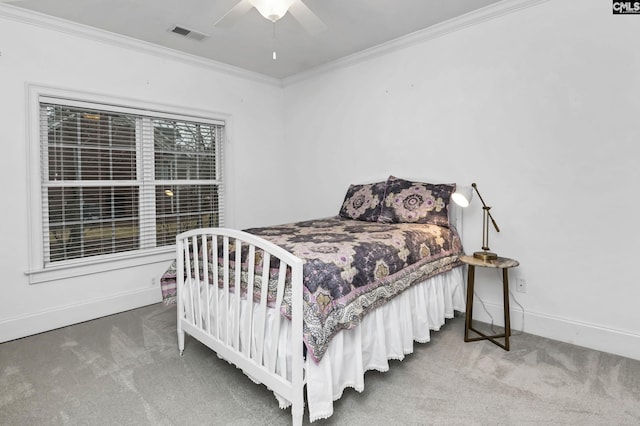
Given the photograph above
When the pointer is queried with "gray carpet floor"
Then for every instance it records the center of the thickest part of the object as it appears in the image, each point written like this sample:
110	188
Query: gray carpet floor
125	370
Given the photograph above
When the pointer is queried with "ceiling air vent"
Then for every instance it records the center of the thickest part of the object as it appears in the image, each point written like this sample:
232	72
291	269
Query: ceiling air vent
185	32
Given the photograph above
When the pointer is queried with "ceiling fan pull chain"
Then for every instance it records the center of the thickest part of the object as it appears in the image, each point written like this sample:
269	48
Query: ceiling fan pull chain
274	40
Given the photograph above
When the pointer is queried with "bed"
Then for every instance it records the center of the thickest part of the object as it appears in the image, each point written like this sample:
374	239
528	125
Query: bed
311	306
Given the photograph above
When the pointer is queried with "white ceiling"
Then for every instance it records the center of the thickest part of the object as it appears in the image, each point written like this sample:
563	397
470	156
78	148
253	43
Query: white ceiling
352	26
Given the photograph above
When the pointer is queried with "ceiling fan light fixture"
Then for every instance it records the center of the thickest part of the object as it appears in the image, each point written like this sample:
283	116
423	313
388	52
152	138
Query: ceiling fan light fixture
272	9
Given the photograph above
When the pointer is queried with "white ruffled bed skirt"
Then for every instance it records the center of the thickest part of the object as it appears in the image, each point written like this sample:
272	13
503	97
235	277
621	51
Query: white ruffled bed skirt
386	333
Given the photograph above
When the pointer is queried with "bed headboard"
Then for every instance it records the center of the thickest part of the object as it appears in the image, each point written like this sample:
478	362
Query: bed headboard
455	217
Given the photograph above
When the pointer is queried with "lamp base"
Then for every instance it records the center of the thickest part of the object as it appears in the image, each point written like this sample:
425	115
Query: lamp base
485	255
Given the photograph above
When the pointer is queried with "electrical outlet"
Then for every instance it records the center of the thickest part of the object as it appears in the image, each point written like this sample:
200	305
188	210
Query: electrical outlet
521	285
154	281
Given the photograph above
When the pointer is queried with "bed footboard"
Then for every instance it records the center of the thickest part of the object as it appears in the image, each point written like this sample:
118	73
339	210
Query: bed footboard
219	273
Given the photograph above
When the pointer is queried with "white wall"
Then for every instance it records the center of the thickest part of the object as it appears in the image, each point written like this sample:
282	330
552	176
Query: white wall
31	52
540	108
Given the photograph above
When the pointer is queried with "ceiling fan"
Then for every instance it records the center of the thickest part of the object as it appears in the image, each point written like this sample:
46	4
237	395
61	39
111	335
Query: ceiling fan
273	10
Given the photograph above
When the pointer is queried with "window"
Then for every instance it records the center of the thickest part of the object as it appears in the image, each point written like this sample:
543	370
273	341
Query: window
117	180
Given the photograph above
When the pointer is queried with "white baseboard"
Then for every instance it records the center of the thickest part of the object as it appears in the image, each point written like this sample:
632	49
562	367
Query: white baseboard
591	336
15	328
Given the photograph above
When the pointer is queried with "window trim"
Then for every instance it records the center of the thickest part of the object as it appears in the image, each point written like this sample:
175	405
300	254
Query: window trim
37	273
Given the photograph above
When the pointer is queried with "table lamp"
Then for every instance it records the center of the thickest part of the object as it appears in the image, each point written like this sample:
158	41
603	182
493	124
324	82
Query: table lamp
462	197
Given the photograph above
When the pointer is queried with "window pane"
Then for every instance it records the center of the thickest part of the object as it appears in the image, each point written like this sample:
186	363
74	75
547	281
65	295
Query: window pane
92	221
89	145
184	150
180	208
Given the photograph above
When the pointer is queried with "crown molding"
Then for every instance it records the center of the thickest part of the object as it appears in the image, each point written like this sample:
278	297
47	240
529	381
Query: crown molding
95	34
476	17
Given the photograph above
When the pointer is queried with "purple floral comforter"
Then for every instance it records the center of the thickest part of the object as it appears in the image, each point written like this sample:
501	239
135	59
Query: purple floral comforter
351	267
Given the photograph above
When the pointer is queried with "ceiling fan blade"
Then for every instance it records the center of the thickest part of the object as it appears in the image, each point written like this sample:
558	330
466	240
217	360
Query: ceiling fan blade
307	18
236	12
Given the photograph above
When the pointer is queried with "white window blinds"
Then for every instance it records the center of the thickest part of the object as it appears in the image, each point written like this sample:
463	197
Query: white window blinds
116	179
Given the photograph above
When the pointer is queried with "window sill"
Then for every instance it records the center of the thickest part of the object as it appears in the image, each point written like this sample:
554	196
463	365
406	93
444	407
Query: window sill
77	269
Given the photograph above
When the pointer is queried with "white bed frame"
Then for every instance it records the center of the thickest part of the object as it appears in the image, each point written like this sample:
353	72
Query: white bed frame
257	360
229	331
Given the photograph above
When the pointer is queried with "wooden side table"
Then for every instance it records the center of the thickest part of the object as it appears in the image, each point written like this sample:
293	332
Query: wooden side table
500	263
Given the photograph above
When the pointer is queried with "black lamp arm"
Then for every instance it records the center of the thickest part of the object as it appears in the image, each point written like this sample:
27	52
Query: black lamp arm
484	206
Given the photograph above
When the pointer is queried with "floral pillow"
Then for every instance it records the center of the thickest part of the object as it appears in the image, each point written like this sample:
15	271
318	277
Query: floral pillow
416	202
363	202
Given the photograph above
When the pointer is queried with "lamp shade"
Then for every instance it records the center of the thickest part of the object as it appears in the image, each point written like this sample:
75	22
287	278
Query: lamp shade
462	196
272	9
